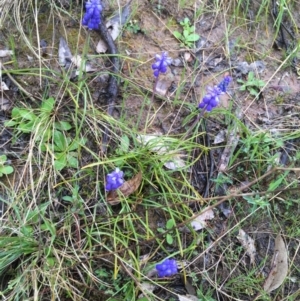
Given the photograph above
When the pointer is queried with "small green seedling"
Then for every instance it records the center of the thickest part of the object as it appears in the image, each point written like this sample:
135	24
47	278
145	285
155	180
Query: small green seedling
133	26
188	36
5	169
169	236
253	85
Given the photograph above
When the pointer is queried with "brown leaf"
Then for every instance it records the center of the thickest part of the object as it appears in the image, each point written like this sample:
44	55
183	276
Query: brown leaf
126	189
200	221
279	266
248	244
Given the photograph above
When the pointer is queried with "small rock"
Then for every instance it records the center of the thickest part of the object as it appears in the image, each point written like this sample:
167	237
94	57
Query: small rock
177	62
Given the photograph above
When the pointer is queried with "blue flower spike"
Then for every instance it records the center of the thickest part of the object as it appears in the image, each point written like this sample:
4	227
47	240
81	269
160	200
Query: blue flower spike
114	180
167	268
92	16
211	98
161	64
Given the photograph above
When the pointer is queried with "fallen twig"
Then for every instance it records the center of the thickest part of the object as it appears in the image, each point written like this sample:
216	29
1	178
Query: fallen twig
112	89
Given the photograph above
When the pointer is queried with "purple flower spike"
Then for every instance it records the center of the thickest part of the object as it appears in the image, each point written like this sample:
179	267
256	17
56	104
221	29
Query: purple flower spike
92	16
211	99
223	85
167	268
114	180
161	64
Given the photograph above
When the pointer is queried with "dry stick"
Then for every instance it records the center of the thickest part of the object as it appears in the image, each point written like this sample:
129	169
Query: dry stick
112	89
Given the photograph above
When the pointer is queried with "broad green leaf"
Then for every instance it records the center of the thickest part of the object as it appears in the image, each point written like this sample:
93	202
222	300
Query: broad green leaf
72	160
23	113
60	141
6	169
253	92
124	146
10	123
169	239
186	21
26	127
178	35
170	224
3	158
63	125
60	162
186	33
67	198
75	144
193	37
48	105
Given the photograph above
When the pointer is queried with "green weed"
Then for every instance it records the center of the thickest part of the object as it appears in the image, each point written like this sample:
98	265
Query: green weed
253	85
188	37
4	168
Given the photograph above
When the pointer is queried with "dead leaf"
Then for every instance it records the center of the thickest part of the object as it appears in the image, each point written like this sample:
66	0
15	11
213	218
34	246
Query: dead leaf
175	163
101	47
220	137
188	57
4	53
200	221
146	288
248	243
125	190
3	87
154	142
64	53
162	86
162	145
114	26
279	266
77	61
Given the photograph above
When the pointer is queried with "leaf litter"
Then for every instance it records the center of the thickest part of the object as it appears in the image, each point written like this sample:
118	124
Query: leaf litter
279	267
248	244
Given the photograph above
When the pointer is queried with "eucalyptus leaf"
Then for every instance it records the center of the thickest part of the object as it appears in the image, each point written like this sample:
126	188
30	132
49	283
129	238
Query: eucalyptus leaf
279	268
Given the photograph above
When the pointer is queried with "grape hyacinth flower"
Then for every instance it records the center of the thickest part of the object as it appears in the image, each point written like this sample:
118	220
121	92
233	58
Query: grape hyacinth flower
161	64
211	99
167	268
92	16
114	180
